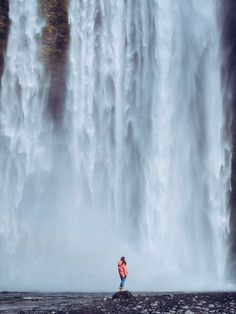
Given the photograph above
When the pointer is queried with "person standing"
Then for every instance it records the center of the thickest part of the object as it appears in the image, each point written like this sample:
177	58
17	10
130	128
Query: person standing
122	269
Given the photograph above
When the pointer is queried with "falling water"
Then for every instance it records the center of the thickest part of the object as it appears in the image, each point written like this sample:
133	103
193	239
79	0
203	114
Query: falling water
142	166
24	159
146	125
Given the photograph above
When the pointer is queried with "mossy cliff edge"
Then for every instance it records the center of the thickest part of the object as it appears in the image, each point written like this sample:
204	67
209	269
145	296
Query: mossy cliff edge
55	36
55	40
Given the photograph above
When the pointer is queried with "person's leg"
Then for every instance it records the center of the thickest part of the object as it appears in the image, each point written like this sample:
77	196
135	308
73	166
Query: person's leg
122	283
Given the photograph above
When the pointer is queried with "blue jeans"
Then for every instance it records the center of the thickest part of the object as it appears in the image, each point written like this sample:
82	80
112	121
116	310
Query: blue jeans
122	283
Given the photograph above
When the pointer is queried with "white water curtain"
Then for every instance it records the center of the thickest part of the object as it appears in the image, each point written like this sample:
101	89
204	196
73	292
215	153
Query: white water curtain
142	167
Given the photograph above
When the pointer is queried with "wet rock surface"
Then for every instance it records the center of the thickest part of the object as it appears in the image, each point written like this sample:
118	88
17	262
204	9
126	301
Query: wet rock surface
187	303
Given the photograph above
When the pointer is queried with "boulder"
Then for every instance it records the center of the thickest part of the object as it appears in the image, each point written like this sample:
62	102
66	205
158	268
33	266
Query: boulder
121	295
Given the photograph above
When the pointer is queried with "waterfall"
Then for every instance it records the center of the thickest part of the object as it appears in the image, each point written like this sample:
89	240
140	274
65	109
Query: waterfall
24	157
146	122
141	164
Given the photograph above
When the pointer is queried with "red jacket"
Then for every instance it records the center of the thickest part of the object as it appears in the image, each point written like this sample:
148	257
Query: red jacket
122	269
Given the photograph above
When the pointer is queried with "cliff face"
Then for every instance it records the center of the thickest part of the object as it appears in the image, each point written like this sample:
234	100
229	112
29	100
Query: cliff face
4	28
55	39
55	36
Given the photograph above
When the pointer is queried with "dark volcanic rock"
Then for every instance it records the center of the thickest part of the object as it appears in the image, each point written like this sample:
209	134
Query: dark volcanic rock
122	295
94	303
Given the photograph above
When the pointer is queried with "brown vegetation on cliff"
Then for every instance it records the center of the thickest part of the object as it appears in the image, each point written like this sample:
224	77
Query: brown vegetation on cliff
55	39
55	36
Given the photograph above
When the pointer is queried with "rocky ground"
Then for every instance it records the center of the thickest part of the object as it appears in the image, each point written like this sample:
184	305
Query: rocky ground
187	303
